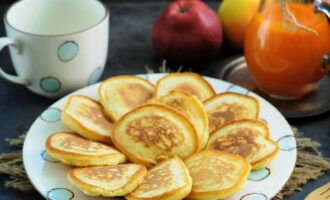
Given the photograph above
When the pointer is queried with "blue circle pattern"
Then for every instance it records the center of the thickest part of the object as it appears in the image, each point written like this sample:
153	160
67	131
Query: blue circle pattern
259	175
67	51
51	115
287	143
60	194
264	121
50	84
238	89
145	76
95	76
48	158
254	196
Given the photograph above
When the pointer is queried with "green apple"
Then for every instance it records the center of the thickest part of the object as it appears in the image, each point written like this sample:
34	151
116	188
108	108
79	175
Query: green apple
235	16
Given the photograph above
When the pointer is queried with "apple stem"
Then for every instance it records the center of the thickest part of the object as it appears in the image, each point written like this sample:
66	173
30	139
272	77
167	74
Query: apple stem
183	9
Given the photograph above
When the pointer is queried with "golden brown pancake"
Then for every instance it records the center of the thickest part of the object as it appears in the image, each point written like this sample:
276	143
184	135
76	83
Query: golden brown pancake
109	181
154	132
85	116
189	82
74	150
216	174
168	180
121	94
191	108
227	107
247	138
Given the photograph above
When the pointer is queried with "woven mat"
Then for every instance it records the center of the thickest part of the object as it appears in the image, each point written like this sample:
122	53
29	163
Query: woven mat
309	166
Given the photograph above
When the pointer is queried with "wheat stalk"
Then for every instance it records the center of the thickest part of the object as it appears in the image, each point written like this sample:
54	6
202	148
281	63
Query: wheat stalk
288	17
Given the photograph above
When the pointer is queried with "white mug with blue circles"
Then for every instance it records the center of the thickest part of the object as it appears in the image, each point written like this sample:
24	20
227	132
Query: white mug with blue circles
56	46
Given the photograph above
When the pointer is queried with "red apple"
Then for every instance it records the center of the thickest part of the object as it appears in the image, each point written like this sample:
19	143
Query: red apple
187	31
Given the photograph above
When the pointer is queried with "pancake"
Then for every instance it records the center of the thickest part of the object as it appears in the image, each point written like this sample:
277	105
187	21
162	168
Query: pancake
85	116
72	149
108	181
247	138
121	94
154	132
168	180
191	108
216	174
227	107
189	82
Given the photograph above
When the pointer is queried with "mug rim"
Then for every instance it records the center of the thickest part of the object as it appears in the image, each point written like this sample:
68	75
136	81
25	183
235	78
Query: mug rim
106	14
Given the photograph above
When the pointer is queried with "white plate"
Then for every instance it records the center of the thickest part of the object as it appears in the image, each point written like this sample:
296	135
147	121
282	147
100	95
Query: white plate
49	176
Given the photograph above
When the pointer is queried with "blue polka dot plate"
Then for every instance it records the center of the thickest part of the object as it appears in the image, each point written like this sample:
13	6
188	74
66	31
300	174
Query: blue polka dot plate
49	176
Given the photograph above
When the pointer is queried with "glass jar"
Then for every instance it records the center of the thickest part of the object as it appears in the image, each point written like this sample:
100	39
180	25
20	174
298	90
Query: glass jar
285	47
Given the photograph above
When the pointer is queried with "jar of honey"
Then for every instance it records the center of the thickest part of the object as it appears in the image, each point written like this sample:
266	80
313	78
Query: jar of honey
285	47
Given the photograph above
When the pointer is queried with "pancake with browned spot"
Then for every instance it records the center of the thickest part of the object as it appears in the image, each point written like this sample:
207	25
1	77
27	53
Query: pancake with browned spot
109	181
85	116
247	138
216	174
154	132
72	149
189	82
121	94
168	180
227	107
190	107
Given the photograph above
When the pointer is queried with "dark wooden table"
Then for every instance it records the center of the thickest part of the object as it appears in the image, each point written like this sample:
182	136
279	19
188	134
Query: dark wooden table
130	51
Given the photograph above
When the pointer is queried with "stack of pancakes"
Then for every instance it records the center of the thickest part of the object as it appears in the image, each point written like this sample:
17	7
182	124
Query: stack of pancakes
173	140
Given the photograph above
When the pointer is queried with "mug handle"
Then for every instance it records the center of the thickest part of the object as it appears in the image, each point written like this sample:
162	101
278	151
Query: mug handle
14	79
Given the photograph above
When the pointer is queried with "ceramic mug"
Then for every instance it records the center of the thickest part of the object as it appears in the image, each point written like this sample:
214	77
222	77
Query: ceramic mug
56	46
